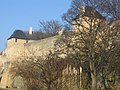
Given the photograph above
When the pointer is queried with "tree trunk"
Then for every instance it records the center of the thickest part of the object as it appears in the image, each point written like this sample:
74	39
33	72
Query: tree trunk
93	69
48	86
78	78
94	82
93	76
104	83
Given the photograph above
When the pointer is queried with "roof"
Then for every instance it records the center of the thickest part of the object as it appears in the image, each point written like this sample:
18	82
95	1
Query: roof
90	12
36	35
32	36
18	34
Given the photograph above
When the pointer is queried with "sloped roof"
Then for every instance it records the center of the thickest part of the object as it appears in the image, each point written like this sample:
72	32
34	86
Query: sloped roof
90	12
18	34
34	35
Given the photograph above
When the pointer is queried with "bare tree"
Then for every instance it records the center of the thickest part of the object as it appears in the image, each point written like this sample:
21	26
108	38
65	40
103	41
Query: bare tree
92	42
39	73
50	27
108	8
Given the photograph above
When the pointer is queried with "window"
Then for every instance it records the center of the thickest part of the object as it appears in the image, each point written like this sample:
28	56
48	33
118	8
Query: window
26	41
16	40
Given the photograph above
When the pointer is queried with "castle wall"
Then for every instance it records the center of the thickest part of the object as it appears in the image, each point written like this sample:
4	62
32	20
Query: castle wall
13	41
40	47
21	48
14	49
1	60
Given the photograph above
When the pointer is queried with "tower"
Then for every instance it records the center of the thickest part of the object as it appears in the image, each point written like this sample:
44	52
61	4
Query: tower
83	19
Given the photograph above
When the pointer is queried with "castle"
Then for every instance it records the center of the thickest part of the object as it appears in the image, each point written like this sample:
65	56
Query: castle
17	45
19	42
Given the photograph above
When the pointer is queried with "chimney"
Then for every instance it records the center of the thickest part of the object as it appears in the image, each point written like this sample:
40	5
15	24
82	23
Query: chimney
30	31
82	9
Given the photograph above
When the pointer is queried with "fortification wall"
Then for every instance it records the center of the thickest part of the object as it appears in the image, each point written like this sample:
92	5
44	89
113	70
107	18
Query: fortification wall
1	60
40	47
21	48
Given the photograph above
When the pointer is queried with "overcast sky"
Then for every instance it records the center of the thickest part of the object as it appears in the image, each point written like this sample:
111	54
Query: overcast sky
21	14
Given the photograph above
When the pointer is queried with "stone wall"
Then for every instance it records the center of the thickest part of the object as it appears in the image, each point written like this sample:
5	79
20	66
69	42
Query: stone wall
40	47
21	48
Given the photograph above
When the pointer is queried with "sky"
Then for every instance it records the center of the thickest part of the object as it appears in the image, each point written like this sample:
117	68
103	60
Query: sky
21	14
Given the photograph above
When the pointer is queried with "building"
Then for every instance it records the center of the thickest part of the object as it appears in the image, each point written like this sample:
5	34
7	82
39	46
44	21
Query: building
82	22
18	45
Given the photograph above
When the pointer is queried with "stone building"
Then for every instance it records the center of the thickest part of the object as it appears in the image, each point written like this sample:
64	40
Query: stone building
82	21
18	45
